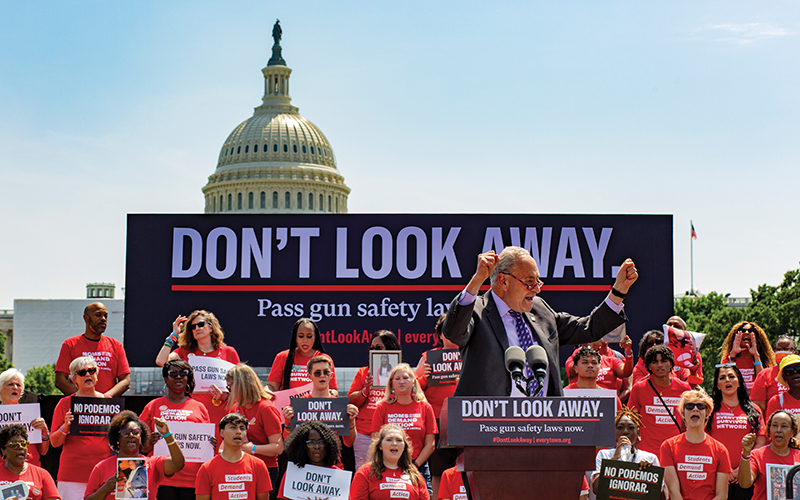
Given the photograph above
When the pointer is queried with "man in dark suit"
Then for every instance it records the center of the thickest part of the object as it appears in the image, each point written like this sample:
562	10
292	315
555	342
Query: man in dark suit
511	314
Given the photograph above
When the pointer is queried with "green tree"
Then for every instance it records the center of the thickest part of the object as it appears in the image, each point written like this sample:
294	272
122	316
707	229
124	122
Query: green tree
4	363
41	379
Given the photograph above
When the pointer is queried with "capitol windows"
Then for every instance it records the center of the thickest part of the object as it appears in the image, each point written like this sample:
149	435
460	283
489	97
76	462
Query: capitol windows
294	148
337	204
238	150
287	200
321	206
239	201
249	199
285	148
304	149
299	201
310	201
265	147
246	148
274	148
312	150
226	152
263	199
274	199
230	202
329	203
221	201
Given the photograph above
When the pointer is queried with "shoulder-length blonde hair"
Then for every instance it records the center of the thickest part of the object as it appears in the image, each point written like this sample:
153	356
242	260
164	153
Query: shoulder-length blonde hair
765	351
186	338
246	389
416	391
699	394
375	455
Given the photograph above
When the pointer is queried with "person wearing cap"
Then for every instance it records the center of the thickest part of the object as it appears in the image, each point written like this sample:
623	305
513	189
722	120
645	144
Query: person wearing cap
766	384
788	376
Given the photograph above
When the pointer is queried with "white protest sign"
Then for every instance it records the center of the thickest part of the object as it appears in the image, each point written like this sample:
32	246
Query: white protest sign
192	437
589	393
208	371
321	482
22	414
283	398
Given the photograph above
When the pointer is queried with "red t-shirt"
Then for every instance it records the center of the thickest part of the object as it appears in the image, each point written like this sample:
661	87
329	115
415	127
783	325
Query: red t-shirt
746	366
219	410
283	481
112	364
657	425
759	459
365	412
619	403
766	385
416	419
783	401
299	376
639	372
219	478
108	468
263	420
452	485
606	376
40	483
392	484
697	465
729	426
80	453
188	411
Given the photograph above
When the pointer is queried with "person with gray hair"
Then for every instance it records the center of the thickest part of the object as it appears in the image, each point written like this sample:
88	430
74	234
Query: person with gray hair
512	314
80	453
12	385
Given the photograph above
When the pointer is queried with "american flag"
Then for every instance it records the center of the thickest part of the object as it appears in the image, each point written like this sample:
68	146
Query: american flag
694	233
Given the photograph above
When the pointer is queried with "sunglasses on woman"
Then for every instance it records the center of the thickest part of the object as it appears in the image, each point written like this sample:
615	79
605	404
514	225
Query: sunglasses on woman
127	431
693	406
178	374
86	371
17	445
199	324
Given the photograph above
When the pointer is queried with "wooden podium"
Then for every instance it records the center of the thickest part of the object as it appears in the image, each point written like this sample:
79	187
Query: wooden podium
496	472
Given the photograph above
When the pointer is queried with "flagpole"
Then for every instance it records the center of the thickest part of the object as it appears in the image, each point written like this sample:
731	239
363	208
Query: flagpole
691	257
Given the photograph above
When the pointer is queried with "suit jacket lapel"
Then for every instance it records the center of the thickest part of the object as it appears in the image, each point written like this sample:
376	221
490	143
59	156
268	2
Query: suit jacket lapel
495	321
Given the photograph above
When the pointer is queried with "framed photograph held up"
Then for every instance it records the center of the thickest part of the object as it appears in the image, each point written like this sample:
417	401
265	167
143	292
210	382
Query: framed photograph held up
381	364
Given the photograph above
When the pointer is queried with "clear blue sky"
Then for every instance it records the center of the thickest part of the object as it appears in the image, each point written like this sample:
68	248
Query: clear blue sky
684	108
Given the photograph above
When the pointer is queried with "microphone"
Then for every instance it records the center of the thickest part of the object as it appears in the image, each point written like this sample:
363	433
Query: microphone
537	361
515	364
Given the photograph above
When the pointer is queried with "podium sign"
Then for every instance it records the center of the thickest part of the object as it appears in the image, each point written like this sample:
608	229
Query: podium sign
496	421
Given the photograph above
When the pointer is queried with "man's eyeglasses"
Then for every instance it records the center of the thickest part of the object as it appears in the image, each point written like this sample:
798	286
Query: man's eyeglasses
178	374
314	443
321	373
17	445
530	286
127	431
86	371
692	406
199	324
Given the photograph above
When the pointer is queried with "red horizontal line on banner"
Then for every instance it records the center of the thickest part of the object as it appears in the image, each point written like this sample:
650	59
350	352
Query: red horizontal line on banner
366	288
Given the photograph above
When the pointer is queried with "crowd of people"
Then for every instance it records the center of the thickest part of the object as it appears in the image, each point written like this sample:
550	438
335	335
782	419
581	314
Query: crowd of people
712	447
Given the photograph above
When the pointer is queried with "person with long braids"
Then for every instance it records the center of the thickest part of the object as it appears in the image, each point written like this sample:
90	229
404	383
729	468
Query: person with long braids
390	469
784	448
304	345
366	397
696	466
177	406
733	417
748	346
312	443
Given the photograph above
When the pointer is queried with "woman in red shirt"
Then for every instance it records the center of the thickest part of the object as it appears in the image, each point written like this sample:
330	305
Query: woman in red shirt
405	404
784	448
80	453
126	433
12	385
390	469
733	417
747	345
366	397
304	345
312	443
696	465
264	431
176	406
14	448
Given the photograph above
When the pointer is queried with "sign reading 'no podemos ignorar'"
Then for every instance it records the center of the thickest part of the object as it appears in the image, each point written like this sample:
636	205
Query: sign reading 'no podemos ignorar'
355	274
529	421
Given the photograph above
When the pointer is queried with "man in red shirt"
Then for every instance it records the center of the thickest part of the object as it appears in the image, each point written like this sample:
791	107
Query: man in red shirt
114	374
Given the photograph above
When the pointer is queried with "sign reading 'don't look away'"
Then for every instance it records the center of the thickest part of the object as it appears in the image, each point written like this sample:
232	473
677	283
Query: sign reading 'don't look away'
488	421
91	416
311	481
445	366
